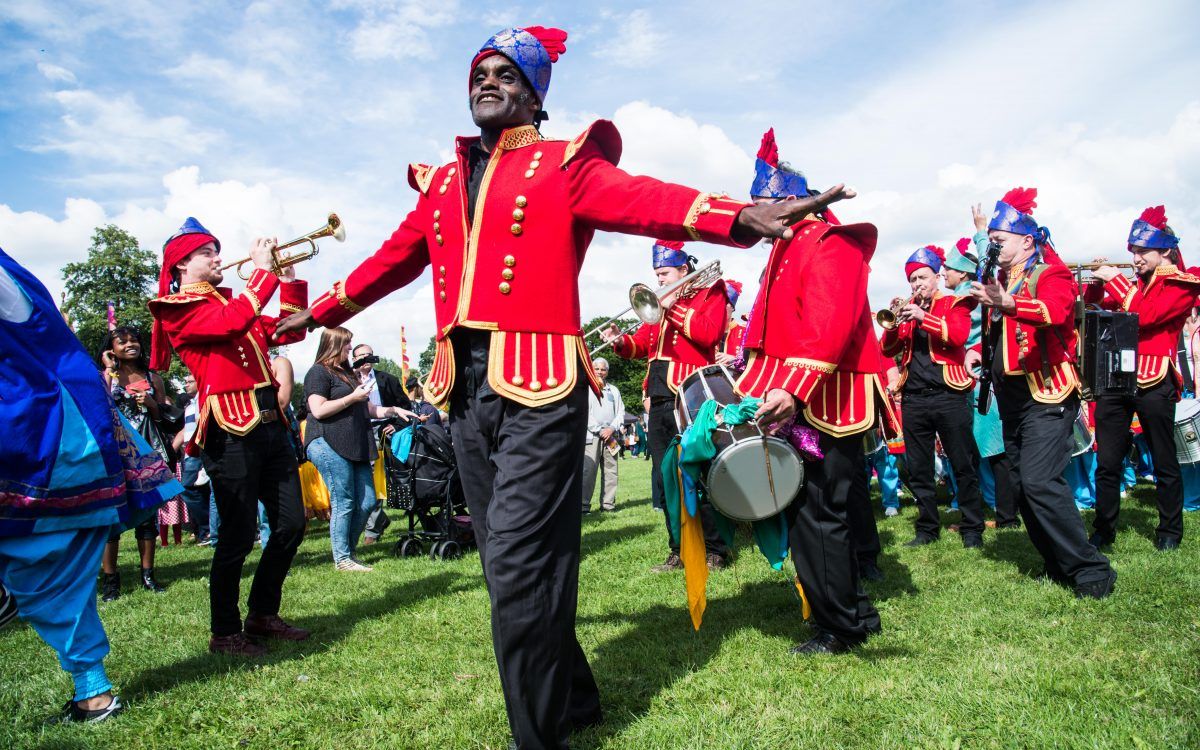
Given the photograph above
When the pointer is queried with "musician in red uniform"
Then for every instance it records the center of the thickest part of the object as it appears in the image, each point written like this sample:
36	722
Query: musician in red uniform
730	347
681	343
1030	319
505	227
223	341
1163	296
930	335
810	350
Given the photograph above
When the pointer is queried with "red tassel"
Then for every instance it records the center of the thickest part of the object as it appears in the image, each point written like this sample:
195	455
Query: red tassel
554	40
962	245
669	244
1022	199
736	286
768	151
1155	216
939	252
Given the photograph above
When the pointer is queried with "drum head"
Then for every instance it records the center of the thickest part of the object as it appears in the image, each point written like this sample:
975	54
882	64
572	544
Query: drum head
740	487
1186	409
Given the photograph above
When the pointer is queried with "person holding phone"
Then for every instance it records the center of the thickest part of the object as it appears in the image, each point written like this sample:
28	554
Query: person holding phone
338	441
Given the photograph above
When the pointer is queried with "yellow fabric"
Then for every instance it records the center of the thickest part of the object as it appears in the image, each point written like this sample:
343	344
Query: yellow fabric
380	477
805	610
313	489
692	555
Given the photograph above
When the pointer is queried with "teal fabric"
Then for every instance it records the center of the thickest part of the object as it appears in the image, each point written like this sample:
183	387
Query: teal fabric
79	456
670	477
988	435
401	443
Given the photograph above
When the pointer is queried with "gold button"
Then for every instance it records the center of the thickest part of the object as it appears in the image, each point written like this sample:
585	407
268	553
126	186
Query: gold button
521	201
510	261
442	190
441	283
528	173
535	386
534	164
442	296
442	270
437	228
705	208
439	239
506	274
452	172
437	214
516	229
551	382
518	381
245	364
505	287
537	154
518	215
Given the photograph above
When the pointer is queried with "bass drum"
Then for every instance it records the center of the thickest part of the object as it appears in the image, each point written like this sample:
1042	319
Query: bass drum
1187	430
753	475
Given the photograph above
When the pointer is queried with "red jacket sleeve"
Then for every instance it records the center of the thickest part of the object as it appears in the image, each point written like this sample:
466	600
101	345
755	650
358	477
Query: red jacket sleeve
400	259
608	198
702	321
293	298
636	346
1173	302
193	323
955	327
1055	301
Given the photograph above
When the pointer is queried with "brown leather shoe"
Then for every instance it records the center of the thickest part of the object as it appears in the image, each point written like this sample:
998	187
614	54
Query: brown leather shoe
671	563
715	561
235	645
272	626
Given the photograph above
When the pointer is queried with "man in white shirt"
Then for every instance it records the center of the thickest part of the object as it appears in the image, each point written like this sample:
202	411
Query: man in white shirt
605	419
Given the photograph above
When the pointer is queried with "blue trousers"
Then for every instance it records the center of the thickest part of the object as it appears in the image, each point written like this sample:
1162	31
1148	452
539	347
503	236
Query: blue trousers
884	464
53	578
1081	475
351	496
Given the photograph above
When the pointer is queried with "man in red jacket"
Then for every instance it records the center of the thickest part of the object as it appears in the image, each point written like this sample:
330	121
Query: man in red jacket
1029	315
505	228
223	341
810	351
930	335
681	343
1162	297
730	347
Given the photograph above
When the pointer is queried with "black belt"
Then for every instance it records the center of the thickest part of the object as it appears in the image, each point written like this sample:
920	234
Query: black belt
269	415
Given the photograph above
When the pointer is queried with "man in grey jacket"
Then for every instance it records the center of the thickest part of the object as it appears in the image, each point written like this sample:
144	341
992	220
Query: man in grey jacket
606	416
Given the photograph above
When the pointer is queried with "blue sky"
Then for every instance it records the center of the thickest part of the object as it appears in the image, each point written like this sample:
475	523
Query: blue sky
260	118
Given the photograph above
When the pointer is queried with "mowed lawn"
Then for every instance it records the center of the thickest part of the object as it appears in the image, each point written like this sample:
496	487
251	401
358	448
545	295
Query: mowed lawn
975	653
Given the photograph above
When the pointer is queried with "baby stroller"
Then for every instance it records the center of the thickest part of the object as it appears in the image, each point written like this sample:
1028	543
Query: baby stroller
425	485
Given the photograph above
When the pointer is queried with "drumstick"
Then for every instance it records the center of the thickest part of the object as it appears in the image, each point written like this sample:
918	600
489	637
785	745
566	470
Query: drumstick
770	475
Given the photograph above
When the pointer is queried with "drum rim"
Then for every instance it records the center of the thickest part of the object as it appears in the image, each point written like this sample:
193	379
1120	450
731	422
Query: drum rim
721	458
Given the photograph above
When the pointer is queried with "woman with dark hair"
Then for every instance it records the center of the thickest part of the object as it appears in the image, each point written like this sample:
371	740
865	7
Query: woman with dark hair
339	442
140	395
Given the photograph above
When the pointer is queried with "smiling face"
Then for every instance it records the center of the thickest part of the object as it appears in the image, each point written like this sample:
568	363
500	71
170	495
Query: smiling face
500	97
202	264
1146	260
127	348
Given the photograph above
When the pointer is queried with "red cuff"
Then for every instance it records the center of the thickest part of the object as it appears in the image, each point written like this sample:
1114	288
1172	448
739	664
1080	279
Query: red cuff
1121	290
936	325
333	307
260	287
712	218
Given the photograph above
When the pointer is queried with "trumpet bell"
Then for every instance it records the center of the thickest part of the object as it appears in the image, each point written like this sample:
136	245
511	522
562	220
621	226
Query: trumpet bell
644	303
886	319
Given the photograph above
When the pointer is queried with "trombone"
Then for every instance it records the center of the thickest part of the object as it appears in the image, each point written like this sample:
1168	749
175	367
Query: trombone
646	303
279	261
1081	267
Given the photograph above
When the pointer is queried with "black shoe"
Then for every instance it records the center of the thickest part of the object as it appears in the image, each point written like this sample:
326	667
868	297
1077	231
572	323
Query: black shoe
110	589
149	583
1009	525
1100	541
920	541
671	563
972	541
869	571
72	713
1163	544
824	643
1096	589
1058	578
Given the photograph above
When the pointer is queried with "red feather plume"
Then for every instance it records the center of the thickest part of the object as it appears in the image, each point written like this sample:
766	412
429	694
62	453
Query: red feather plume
1155	216
962	245
1022	199
939	252
736	286
670	244
554	40
768	151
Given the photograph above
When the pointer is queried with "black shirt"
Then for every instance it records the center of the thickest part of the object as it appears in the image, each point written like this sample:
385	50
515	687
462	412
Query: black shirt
923	374
657	386
477	160
349	431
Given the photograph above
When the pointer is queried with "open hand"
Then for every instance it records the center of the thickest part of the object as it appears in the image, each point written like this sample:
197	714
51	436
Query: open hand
773	220
295	322
979	217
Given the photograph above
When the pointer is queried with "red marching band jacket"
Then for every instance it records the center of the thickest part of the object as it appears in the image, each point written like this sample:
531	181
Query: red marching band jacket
732	343
810	331
686	337
1038	338
514	270
223	340
1162	305
948	325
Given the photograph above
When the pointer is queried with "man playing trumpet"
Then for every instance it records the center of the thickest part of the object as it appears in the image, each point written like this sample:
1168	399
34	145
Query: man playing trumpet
930	333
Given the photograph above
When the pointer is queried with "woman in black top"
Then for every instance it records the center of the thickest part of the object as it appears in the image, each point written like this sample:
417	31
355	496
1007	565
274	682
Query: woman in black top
338	441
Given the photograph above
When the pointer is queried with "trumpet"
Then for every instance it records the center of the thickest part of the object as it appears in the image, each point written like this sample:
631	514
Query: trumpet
886	318
280	260
1077	267
646	303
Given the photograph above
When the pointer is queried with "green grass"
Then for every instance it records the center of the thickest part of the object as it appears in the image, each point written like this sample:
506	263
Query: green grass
974	653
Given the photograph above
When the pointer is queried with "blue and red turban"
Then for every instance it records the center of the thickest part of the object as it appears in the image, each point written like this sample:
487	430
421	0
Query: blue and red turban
733	290
1149	231
190	237
769	180
931	256
533	49
669	254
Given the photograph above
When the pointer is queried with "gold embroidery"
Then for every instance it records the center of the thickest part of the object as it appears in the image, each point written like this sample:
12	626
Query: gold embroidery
343	299
811	364
422	174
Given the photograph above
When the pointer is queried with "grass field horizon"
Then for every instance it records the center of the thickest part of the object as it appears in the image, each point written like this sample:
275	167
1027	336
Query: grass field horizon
975	653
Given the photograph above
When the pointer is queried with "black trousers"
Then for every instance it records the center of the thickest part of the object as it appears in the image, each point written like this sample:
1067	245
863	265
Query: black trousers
823	545
522	473
1155	407
244	470
1008	490
948	414
863	529
1037	437
663	430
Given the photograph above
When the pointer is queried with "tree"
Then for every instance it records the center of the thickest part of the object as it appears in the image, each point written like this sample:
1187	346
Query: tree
626	374
392	367
117	270
425	361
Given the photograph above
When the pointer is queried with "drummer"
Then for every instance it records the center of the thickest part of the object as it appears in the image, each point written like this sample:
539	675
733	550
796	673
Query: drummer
681	343
823	367
1163	297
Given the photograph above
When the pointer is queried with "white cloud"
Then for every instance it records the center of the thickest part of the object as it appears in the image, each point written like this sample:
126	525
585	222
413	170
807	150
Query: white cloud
395	30
253	89
636	41
56	73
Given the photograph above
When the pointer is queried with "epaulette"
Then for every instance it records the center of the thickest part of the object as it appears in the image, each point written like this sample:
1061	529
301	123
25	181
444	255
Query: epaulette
179	298
601	132
1185	277
420	176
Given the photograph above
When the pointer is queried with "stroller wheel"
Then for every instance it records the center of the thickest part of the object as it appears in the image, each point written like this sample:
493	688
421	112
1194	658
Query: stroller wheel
450	551
409	548
435	552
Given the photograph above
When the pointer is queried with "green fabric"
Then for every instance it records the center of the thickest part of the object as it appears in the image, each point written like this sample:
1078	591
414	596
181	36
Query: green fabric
670	477
742	412
697	442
